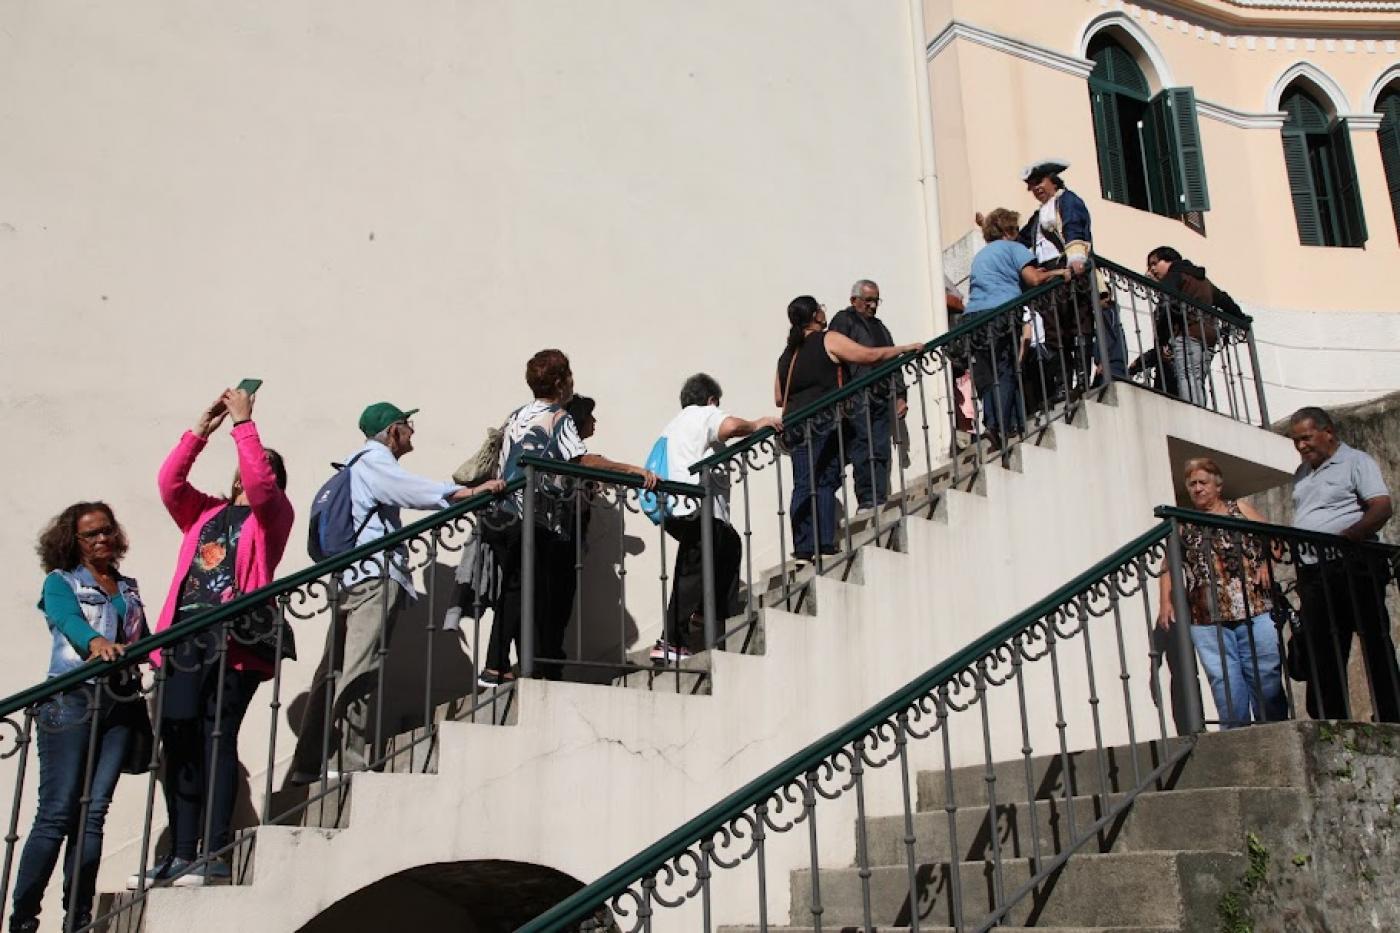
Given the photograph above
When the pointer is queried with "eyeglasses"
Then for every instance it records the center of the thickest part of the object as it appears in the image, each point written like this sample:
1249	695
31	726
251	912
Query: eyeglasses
107	531
870	301
407	422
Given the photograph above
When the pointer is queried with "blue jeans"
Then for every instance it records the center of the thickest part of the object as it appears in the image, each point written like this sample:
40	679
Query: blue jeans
1245	690
869	451
63	759
815	456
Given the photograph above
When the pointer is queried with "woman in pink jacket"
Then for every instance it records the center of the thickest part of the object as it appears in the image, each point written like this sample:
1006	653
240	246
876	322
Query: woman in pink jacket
232	546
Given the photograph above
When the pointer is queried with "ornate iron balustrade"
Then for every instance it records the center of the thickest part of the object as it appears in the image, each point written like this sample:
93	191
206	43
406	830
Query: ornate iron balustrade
100	688
559	501
1046	671
1031	361
1315	593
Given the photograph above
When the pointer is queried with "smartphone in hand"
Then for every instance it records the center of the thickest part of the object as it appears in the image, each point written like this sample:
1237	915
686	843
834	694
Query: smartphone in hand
250	386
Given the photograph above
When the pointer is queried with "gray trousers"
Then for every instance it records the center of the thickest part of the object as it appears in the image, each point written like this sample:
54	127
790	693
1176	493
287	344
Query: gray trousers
353	656
1191	366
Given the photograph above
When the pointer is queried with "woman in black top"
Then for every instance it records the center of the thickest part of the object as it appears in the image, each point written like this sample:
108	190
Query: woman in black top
809	368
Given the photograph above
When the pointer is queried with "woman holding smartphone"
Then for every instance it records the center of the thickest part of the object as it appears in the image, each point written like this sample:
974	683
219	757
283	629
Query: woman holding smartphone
232	545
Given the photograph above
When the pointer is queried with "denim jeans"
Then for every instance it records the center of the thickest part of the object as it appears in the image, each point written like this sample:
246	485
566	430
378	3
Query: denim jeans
994	373
815	459
1236	668
869	451
63	738
1191	367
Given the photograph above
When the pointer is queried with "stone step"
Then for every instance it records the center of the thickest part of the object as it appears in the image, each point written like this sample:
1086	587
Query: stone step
1134	889
1260	756
1208	818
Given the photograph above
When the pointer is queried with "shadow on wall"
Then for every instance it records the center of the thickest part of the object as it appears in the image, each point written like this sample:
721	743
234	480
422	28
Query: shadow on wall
602	628
469	897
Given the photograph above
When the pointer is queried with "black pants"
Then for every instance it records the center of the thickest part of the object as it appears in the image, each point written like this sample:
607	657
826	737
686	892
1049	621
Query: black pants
1341	598
688	579
554	597
193	712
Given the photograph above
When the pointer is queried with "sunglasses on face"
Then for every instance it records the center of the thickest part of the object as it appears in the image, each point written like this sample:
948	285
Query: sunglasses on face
106	531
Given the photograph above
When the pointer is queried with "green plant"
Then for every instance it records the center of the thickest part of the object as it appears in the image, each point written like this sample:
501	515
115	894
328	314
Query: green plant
1233	917
1300	859
1258	870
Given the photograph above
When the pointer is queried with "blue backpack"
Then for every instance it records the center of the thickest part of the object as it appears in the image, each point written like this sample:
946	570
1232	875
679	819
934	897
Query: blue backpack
657	506
332	530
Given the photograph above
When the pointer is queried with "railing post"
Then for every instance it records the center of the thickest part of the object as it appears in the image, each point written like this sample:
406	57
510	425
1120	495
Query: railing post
527	576
1185	651
707	558
1258	378
1091	271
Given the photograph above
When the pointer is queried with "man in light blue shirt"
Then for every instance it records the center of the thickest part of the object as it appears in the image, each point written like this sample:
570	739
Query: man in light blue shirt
368	605
1339	490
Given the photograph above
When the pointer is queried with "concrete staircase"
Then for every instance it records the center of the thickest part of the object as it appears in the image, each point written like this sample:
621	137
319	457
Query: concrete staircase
578	777
1239	835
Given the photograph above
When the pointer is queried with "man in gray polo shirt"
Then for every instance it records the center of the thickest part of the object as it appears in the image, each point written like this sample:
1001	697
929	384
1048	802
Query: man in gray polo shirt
1339	490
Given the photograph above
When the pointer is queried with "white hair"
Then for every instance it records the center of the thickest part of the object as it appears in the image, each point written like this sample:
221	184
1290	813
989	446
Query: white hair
383	436
855	289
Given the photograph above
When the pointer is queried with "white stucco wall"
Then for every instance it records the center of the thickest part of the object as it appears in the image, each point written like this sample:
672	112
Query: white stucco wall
357	201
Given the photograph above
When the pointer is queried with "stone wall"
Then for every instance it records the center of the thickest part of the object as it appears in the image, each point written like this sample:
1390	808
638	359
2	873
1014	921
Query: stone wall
1333	868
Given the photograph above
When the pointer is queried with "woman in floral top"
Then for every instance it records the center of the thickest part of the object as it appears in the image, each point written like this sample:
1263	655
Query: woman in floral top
1232	626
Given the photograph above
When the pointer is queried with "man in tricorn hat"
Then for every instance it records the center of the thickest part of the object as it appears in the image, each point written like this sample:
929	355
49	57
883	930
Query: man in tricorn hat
1060	234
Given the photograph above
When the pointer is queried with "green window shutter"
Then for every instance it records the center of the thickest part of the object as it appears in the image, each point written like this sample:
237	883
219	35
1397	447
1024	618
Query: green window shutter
1353	220
1108	135
1300	182
1189	160
1389	137
1174	154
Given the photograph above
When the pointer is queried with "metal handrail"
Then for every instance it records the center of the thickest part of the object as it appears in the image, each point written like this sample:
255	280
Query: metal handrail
1230	523
138	651
1243	321
974	322
612	477
582	903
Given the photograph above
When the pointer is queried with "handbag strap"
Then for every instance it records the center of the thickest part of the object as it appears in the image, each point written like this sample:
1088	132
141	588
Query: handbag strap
787	385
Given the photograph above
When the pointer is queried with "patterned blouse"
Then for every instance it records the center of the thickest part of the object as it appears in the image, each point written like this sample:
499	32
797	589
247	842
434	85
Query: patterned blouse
1233	573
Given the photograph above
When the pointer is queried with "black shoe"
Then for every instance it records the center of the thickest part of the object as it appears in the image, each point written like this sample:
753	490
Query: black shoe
24	926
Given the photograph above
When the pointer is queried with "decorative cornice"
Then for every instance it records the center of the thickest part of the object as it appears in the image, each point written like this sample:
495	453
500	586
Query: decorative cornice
1240	118
1362	122
1079	67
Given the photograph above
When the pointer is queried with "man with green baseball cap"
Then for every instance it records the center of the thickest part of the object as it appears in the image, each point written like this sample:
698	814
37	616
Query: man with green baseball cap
371	592
380	415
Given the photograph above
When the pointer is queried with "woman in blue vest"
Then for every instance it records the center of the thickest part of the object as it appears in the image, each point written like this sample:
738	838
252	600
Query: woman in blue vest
93	613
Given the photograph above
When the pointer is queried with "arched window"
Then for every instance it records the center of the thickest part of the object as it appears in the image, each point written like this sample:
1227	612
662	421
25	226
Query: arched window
1149	146
1389	135
1321	171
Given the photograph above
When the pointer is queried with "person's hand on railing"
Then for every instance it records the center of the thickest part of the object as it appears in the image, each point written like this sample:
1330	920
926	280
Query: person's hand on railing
493	486
238	404
212	417
649	479
104	649
1261	576
769	421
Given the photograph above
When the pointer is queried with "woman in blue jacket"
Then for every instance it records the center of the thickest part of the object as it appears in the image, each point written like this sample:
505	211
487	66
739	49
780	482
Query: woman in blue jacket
93	613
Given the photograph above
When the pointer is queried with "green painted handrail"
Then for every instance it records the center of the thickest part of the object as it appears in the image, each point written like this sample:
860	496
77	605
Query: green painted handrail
257	598
565	468
583	902
1239	320
1192	517
972	322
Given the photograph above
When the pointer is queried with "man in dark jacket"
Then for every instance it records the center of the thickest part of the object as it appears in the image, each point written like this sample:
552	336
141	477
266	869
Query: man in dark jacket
869	423
1060	234
1186	334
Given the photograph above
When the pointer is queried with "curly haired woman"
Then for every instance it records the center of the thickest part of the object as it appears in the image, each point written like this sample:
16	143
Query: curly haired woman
93	613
